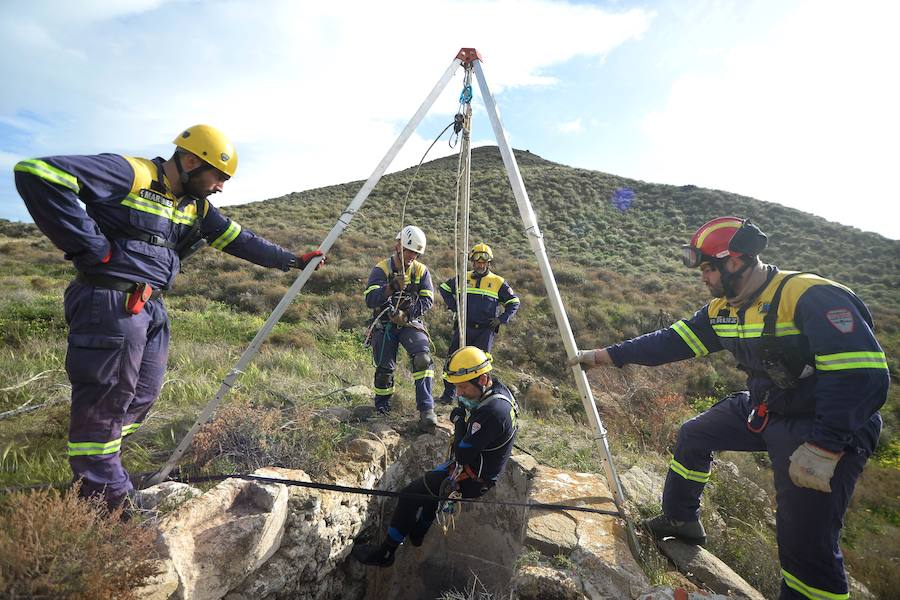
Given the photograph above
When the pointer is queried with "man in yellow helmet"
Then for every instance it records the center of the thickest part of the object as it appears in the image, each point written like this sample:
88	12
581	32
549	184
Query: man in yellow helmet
490	303
485	426
127	224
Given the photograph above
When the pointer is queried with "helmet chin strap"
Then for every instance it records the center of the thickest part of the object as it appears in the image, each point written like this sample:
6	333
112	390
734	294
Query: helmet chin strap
185	176
731	280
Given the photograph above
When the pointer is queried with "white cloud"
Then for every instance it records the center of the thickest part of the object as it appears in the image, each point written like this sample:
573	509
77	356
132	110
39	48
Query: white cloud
311	93
573	126
806	117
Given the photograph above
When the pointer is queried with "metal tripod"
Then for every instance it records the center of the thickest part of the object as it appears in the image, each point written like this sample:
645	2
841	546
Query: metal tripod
469	58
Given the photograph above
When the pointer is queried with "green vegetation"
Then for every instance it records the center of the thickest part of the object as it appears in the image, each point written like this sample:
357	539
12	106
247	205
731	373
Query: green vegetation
619	274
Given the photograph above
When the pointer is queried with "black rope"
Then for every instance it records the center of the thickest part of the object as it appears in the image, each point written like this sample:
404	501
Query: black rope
333	487
416	172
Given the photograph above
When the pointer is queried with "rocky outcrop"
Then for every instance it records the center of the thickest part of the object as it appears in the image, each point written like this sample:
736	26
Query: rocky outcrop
247	540
215	540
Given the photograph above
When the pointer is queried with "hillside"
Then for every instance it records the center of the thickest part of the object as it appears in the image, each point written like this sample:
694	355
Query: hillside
616	271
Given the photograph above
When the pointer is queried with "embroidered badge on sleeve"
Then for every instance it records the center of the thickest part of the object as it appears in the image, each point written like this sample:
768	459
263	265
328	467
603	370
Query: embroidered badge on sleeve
841	319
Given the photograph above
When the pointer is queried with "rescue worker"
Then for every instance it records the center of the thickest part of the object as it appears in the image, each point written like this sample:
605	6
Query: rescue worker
487	294
139	219
485	425
816	379
400	292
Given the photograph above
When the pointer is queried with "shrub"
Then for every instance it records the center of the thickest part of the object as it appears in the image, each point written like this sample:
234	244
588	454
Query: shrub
56	545
539	399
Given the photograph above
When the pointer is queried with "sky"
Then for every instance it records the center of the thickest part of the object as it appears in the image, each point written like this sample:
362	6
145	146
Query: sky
785	101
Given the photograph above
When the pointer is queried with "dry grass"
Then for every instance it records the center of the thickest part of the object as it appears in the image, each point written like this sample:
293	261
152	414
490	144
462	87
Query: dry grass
55	545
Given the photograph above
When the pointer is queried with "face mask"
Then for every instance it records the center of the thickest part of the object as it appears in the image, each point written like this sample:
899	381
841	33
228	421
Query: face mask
468	404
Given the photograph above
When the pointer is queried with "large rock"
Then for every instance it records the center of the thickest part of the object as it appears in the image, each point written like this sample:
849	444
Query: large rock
535	582
312	562
595	544
217	539
708	570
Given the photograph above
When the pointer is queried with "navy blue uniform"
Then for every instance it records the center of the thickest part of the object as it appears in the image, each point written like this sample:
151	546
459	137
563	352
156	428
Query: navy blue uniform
486	296
834	405
116	218
415	300
482	445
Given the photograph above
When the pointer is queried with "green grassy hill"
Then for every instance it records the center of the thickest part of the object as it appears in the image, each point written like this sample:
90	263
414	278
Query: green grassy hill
617	271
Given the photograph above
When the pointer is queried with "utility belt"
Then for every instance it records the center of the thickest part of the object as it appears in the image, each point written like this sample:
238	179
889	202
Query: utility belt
139	293
480	325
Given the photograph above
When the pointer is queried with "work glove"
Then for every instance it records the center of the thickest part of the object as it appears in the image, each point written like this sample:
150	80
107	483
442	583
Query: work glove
495	323
813	467
457	414
589	359
399	318
301	260
397	282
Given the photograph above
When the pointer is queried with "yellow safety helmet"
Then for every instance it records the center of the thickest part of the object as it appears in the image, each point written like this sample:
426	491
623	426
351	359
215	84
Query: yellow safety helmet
211	146
468	363
481	252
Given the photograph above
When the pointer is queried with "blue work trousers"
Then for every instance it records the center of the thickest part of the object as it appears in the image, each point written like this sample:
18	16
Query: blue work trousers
480	337
418	512
808	522
115	362
386	340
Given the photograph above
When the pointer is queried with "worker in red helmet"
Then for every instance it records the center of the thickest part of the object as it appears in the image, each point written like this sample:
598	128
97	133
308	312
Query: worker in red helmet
816	379
127	224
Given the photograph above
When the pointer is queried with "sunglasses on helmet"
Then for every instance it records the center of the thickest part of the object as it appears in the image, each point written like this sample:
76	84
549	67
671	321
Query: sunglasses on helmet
479	256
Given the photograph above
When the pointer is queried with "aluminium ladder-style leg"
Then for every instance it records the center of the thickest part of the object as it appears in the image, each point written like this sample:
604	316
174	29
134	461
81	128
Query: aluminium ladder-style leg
536	239
342	222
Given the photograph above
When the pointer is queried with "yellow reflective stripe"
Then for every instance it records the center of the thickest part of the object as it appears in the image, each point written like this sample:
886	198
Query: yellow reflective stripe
48	173
753	331
384	391
690	338
94	448
444	286
423	374
426	293
725	330
129	429
512	301
851	360
680	469
227	236
732	224
370	289
481	292
167	212
809	591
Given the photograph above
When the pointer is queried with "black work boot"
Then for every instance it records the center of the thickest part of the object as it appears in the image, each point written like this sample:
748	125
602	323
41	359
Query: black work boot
690	532
381	555
427	421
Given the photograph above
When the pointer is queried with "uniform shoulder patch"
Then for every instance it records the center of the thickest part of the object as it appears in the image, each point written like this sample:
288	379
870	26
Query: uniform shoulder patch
841	319
476	427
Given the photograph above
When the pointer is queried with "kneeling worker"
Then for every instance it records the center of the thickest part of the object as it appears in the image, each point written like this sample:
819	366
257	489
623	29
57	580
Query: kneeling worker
482	444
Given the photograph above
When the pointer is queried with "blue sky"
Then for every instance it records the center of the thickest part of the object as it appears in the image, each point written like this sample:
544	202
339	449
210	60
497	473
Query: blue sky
785	101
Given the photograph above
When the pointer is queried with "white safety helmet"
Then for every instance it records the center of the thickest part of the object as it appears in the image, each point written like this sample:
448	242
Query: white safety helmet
412	238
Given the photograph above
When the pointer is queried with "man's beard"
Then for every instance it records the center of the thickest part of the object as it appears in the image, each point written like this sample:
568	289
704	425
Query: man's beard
717	290
193	189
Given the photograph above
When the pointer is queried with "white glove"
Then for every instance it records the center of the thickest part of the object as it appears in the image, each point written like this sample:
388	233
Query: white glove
813	467
590	358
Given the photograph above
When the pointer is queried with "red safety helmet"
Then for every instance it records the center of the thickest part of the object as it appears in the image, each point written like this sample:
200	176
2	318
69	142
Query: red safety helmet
723	237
